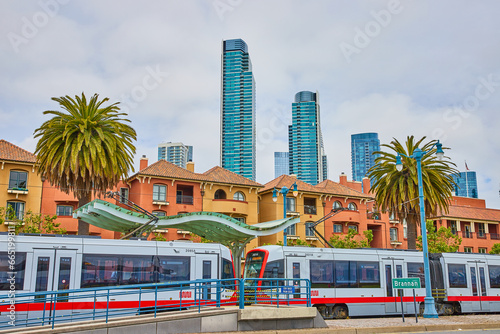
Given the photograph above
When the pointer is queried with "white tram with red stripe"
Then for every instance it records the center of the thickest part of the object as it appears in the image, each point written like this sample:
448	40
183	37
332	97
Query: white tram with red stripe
357	282
51	263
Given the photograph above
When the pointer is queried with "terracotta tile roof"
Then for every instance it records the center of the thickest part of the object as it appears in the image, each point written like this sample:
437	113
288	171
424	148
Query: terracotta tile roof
163	168
471	213
222	175
12	152
287	181
334	188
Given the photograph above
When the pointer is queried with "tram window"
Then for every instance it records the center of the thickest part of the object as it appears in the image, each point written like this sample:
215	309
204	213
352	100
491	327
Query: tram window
19	267
99	270
274	269
321	274
494	276
227	272
368	274
345	274
457	275
416	270
137	270
174	268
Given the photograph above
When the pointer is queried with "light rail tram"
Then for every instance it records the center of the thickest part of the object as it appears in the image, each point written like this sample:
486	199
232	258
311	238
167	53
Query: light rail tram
358	282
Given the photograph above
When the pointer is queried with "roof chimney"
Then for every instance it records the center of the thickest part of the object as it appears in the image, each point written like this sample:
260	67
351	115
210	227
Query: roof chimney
143	163
190	166
343	179
366	185
293	175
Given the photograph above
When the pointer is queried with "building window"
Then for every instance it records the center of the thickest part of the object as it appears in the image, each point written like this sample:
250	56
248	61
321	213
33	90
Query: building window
482	250
309	206
337	228
394	234
351	206
309	231
18	180
468	249
238	196
405	228
220	194
290	230
159	192
453	226
240	219
159	213
337	205
480	230
353	227
290	204
17	210
64	210
185	195
123	195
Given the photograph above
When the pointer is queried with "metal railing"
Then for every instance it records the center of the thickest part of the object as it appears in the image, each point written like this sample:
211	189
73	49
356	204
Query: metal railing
102	303
184	199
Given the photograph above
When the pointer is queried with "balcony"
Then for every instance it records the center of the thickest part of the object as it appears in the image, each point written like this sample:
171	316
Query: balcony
373	215
494	236
230	206
309	209
184	199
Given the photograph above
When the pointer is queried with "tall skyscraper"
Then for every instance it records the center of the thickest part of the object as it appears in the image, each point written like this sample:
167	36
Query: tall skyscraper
466	184
281	164
176	153
363	145
237	109
307	158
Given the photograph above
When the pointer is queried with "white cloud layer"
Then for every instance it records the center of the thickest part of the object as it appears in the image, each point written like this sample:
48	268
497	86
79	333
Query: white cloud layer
421	68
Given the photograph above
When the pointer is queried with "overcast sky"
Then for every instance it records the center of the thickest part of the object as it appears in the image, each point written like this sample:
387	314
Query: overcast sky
423	68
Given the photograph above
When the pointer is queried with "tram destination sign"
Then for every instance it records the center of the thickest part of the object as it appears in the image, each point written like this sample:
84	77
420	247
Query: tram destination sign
406	283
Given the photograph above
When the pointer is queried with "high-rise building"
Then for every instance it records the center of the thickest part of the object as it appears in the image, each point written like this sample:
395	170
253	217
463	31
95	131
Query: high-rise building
281	164
176	153
237	109
363	145
307	158
465	184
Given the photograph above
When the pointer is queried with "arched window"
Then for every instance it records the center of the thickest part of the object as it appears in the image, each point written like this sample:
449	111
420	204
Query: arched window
337	205
239	196
159	213
220	194
351	206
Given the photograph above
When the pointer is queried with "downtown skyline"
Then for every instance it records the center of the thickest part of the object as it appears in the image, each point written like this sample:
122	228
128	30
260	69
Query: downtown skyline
162	61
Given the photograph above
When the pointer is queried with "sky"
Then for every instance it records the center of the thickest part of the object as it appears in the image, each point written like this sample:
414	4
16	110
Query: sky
398	68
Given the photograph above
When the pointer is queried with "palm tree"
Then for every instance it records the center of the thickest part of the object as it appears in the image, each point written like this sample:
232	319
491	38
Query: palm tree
85	149
397	192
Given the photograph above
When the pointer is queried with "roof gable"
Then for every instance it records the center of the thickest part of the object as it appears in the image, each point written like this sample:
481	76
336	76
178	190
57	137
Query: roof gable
222	175
9	151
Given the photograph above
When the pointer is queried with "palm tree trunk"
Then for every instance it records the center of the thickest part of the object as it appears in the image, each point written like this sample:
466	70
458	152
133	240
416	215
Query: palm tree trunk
83	227
412	231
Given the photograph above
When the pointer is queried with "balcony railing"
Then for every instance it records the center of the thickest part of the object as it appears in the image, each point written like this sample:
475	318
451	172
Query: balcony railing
309	209
184	199
494	236
373	215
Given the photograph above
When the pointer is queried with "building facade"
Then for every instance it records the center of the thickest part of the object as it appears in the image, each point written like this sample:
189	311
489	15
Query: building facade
238	153
363	145
466	184
307	158
281	163
20	184
176	153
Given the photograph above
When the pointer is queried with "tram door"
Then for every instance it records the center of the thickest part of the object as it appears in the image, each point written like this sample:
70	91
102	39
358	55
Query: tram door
296	270
477	271
208	264
393	268
53	269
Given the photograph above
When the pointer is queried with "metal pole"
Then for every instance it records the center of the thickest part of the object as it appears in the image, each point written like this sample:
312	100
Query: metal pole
402	311
430	308
415	305
284	191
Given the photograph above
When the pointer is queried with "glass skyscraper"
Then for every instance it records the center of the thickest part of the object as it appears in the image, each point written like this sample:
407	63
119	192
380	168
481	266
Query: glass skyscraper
237	109
363	145
281	164
466	184
176	153
305	143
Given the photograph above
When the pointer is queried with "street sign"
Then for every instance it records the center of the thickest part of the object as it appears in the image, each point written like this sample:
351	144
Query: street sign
406	283
287	289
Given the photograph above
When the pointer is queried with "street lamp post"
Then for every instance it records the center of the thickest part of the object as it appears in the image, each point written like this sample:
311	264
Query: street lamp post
430	308
284	191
